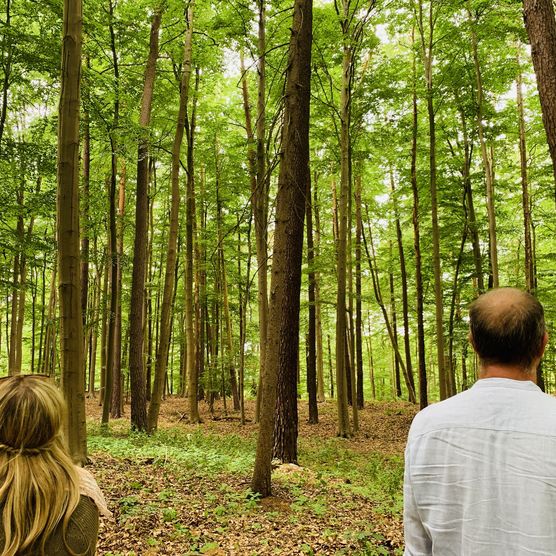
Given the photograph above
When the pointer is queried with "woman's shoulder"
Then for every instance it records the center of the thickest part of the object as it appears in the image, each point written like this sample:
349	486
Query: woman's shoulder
81	533
89	487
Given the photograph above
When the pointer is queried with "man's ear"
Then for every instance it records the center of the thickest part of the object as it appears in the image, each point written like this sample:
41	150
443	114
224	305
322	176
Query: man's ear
470	338
544	342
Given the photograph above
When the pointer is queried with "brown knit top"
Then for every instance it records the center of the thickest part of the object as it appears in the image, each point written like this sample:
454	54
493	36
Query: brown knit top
81	533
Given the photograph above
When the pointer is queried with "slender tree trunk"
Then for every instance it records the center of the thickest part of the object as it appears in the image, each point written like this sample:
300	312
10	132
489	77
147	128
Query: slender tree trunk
225	297
371	258
136	335
69	279
470	205
243	304
423	397
192	346
427	46
318	312
344	429
283	331
526	202
311	336
487	163
13	349
394	317
260	204
117	379
171	256
7	48
358	305
405	296
111	346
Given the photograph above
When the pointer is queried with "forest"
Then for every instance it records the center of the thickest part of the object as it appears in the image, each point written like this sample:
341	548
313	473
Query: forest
253	229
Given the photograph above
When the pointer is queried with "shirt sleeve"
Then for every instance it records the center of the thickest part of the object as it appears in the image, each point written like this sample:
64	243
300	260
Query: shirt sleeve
417	541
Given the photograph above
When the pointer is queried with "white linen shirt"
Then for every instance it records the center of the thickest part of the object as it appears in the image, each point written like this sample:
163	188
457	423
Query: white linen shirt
480	473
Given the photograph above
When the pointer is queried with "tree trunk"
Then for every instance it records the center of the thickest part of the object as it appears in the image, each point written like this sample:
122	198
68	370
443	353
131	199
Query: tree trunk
470	206
7	65
117	378
192	346
405	300
171	254
283	331
423	396
111	346
371	258
487	163
526	201
136	335
318	315
394	317
427	47
260	204
358	304
541	28
69	279
344	429
311	336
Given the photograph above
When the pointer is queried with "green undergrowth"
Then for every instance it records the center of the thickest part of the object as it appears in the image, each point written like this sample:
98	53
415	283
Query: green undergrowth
203	452
371	475
374	476
336	497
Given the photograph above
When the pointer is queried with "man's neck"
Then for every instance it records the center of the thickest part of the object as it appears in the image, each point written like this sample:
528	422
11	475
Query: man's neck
506	371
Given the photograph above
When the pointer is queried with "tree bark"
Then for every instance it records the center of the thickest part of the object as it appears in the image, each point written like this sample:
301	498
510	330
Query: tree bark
69	279
405	297
190	313
283	331
427	48
136	334
111	346
526	201
260	204
421	355
487	163
318	315
312	333
171	253
541	28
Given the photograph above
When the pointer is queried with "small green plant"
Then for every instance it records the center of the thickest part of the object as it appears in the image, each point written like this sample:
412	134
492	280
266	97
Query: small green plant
169	514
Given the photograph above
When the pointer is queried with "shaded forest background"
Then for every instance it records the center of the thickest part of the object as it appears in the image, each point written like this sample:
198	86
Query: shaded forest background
431	181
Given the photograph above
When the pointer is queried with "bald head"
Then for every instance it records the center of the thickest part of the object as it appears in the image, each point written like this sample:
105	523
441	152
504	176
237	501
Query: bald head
507	327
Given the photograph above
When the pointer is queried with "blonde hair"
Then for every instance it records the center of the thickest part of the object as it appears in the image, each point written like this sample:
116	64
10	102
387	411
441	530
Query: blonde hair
39	485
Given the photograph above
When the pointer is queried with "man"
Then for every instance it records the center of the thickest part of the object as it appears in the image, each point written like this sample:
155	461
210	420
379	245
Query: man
480	468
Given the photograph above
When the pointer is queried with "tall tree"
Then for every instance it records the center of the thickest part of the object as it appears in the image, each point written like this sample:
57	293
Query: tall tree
136	335
487	161
426	30
283	330
260	200
171	253
312	332
352	24
114	262
541	28
191	318
69	279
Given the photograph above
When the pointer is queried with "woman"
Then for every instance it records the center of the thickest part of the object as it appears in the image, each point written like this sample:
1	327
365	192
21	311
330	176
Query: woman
48	506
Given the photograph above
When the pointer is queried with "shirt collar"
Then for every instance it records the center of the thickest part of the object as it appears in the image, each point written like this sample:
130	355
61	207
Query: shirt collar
506	383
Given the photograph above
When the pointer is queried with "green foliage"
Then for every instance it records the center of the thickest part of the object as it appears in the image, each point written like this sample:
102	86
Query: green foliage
198	451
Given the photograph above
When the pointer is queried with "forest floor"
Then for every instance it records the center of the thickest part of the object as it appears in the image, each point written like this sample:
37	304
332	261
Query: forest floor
185	490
